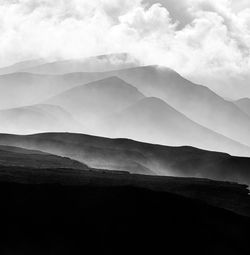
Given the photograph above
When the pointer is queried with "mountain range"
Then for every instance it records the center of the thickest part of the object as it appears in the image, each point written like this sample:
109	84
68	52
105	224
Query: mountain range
111	95
106	155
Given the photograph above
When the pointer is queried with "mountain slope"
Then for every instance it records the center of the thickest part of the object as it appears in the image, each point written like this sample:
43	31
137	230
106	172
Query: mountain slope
89	216
195	101
98	99
19	157
124	154
20	89
152	120
244	105
21	66
37	118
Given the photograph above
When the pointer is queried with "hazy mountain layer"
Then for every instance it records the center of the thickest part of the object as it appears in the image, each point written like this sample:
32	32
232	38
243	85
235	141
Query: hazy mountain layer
244	105
123	154
152	120
21	89
18	67
195	101
37	118
93	101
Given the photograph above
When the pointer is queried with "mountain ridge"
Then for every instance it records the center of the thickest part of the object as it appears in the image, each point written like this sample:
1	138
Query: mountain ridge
122	154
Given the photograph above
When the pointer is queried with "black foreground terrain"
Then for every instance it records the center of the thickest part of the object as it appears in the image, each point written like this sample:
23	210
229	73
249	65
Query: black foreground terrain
63	211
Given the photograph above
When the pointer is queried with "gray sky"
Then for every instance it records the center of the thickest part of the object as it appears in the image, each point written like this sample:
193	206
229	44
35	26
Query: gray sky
207	41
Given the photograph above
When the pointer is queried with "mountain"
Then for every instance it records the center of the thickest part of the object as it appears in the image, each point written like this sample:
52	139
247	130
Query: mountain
195	101
21	66
152	120
129	155
21	89
92	64
19	157
98	99
244	105
37	118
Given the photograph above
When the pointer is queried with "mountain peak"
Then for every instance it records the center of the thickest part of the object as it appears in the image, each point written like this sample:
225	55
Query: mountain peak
112	83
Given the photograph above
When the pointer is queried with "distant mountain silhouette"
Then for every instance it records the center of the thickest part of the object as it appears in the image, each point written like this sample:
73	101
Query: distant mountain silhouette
21	66
154	121
128	155
37	118
98	99
21	89
244	105
195	101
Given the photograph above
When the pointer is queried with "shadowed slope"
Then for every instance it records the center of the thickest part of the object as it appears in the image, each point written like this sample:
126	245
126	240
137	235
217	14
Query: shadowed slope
94	218
123	154
19	157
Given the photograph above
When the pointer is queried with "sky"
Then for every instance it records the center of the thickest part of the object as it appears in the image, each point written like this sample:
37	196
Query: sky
206	41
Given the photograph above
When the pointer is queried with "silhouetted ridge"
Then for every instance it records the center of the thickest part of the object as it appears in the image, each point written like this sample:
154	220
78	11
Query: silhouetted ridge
112	82
152	104
129	155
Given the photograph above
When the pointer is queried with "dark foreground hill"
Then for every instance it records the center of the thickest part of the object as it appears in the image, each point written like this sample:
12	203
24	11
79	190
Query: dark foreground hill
65	211
19	157
136	157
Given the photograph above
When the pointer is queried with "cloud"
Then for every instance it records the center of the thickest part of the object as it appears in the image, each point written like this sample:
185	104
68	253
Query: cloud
206	41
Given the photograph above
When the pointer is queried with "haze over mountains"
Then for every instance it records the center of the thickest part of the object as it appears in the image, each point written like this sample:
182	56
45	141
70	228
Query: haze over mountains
173	128
107	95
195	101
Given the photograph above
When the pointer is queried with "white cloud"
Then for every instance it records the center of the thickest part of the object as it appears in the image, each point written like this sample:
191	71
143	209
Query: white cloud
205	40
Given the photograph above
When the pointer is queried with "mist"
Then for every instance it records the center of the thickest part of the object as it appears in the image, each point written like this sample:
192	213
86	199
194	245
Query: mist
205	41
